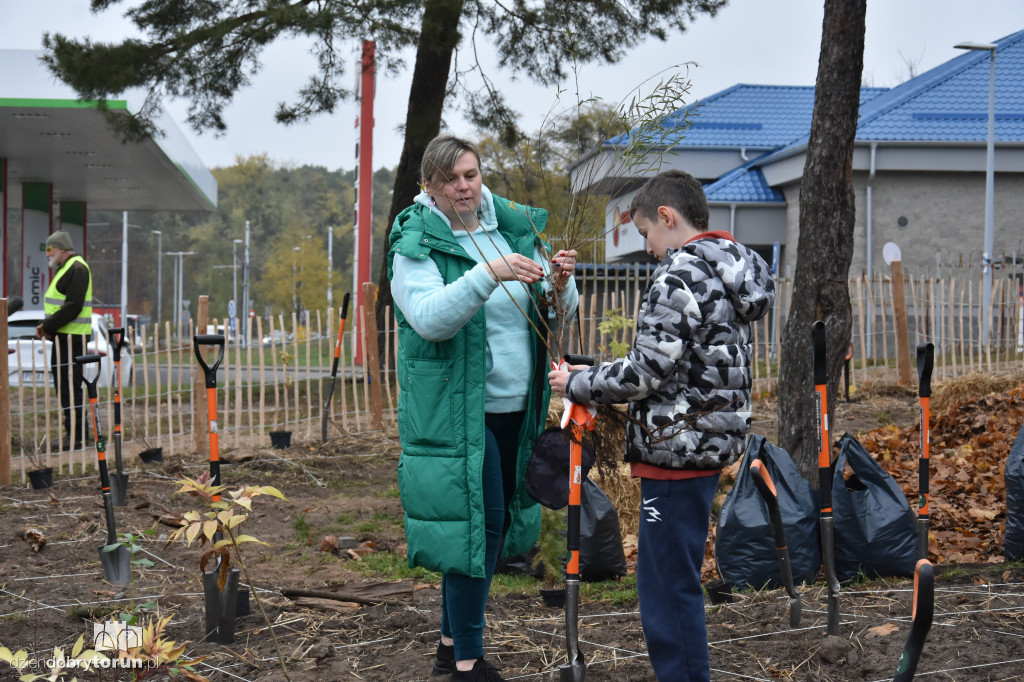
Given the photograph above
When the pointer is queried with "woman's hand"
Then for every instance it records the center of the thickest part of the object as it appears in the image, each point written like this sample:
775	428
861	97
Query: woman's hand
564	263
515	267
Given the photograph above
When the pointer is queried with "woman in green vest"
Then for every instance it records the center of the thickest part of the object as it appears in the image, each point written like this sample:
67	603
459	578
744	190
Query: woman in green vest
466	272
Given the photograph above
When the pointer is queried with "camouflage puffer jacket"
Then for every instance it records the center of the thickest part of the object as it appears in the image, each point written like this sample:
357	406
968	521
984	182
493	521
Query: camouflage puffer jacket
687	377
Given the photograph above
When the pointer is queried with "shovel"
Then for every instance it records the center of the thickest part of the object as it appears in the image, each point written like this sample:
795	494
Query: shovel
765	486
210	374
221	609
925	358
579	419
921	620
115	558
334	370
828	554
119	481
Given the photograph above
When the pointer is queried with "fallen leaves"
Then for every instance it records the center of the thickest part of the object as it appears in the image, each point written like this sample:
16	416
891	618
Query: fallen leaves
34	537
969	444
883	630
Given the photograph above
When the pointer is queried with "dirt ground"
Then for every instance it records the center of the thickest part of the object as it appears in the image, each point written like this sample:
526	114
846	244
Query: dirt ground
353	624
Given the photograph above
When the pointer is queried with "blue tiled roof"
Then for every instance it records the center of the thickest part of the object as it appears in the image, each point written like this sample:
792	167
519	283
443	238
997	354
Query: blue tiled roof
744	184
759	116
950	102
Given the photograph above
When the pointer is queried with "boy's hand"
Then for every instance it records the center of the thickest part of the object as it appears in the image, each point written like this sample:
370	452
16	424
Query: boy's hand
559	377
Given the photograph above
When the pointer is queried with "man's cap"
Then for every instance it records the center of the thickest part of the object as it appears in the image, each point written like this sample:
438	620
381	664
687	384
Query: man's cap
60	240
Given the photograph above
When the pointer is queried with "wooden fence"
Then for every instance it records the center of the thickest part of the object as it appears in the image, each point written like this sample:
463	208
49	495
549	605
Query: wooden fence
283	387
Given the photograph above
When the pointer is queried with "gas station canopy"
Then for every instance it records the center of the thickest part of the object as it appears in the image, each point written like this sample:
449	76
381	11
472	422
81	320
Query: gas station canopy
48	135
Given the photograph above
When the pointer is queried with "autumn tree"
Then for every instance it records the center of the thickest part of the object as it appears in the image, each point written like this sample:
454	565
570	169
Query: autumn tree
205	51
825	243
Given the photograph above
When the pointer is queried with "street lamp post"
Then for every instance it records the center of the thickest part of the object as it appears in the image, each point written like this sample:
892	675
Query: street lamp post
245	288
990	153
179	287
159	272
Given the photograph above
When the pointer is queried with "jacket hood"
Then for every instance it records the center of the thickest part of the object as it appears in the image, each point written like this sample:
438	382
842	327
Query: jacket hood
747	278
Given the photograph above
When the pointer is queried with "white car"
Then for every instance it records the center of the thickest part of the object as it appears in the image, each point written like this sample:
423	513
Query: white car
28	358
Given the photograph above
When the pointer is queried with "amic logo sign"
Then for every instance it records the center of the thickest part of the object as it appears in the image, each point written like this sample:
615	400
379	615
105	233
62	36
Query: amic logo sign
111	634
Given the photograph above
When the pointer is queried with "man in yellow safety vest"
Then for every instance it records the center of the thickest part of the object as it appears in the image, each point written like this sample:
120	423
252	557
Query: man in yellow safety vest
68	323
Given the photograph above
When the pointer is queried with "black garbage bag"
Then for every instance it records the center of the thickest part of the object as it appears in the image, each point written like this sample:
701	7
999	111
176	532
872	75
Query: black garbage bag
875	528
1014	477
601	554
744	545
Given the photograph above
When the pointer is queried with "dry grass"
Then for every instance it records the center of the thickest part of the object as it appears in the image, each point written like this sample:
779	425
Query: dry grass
971	387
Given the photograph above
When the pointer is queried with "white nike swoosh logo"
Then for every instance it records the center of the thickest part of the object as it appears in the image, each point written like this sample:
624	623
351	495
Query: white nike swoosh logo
646	501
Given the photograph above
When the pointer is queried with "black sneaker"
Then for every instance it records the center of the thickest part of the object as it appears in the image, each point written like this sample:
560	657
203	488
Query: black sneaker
482	671
444	660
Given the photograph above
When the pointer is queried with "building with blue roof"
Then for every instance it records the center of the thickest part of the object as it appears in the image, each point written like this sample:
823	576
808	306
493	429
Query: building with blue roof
919	165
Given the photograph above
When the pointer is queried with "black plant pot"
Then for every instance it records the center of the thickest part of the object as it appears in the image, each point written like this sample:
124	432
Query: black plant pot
152	455
720	591
281	440
553	596
41	478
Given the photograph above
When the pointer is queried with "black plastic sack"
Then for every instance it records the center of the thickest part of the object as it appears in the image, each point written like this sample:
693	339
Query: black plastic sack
601	554
875	528
547	474
744	546
1014	477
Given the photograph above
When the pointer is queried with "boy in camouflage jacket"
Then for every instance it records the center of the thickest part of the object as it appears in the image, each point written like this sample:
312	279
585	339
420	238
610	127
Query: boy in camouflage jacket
687	381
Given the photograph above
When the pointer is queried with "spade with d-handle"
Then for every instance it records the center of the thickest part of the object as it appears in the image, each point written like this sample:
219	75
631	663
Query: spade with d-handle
925	359
765	486
921	621
221	602
828	553
115	558
334	370
579	419
210	376
118	480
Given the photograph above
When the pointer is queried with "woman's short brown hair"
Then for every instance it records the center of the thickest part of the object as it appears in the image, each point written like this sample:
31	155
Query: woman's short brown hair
441	154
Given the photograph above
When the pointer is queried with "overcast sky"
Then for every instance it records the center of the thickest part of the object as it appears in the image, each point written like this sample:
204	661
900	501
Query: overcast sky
774	42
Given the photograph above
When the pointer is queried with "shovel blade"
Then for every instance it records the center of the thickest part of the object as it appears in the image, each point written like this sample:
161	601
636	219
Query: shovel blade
573	672
119	489
117	563
795	612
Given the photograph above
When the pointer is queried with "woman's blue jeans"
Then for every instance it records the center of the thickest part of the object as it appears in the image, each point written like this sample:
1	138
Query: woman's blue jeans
464	599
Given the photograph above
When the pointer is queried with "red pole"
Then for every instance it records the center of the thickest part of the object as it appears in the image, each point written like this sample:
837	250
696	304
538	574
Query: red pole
364	179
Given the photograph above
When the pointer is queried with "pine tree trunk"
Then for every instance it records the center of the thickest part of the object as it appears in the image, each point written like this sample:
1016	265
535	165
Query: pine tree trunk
825	244
438	38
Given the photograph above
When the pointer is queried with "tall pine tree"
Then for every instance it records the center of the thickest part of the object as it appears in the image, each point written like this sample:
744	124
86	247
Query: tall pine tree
825	244
206	50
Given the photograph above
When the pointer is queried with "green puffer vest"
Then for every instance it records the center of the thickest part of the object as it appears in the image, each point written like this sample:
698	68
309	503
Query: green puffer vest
441	408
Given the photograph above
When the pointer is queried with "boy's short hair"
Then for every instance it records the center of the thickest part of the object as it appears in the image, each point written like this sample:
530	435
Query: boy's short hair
676	189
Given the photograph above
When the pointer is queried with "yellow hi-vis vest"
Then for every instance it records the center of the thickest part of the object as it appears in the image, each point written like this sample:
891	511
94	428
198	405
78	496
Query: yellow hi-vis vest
54	301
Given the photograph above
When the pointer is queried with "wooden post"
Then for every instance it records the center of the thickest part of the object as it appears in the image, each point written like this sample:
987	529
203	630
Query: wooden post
200	437
863	337
170	395
5	404
295	381
372	360
899	309
387	359
263	373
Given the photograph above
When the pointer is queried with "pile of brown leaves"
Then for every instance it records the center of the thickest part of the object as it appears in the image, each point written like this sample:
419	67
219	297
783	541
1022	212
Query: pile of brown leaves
970	441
